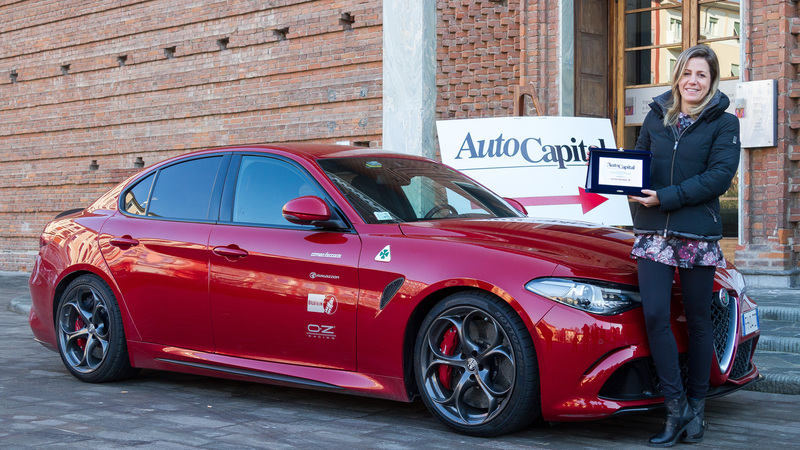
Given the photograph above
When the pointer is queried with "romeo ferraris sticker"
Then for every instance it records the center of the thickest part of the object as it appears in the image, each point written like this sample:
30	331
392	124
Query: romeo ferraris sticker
322	303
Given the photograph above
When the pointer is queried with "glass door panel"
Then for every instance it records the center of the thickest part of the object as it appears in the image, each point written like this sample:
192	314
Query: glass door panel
654	34
650	66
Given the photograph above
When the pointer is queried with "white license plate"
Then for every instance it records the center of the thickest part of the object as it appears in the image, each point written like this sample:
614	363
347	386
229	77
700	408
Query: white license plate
750	322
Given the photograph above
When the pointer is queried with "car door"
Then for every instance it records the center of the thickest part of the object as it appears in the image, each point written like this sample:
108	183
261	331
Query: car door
281	292
156	248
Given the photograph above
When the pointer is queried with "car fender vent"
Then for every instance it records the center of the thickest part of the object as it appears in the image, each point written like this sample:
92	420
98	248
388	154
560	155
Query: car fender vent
391	290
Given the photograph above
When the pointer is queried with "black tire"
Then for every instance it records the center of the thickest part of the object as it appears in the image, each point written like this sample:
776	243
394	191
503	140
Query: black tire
486	382
91	339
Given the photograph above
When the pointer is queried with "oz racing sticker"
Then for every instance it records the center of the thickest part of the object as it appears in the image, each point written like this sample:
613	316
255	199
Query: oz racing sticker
321	331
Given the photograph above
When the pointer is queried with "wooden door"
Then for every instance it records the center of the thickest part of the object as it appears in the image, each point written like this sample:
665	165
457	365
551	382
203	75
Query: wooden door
592	65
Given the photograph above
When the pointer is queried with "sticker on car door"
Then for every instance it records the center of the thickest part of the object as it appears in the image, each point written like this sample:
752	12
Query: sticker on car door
385	255
322	303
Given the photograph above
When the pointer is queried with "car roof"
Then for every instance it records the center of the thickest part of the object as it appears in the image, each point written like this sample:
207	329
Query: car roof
299	151
306	151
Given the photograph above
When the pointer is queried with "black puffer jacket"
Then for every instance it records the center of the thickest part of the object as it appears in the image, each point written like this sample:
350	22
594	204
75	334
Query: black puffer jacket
689	171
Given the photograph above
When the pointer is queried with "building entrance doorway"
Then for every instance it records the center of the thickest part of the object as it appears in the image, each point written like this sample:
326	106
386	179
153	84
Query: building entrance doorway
593	48
646	38
649	37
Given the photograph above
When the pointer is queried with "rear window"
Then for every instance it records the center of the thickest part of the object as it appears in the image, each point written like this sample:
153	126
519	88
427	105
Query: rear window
180	191
137	197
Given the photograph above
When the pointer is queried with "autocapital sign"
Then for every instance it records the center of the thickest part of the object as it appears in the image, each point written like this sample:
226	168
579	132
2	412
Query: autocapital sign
540	161
531	149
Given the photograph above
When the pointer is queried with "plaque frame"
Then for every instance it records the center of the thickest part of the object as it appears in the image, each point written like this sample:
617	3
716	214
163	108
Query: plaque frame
593	173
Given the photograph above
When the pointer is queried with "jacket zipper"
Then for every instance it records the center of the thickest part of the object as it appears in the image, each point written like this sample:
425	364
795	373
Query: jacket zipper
672	175
678	137
674	153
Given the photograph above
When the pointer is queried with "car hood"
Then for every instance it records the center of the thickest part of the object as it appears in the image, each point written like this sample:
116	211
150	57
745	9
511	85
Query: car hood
581	249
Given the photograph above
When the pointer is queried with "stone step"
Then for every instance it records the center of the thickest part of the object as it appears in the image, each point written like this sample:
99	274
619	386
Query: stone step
780	329
780	372
782	313
769	343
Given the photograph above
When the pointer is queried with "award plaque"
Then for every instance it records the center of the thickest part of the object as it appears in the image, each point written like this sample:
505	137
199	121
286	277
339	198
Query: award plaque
618	171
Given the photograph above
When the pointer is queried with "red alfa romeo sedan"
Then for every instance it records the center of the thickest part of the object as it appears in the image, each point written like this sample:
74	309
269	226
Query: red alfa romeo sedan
367	272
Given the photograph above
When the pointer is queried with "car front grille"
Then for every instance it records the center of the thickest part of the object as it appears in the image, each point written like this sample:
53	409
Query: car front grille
723	319
719	316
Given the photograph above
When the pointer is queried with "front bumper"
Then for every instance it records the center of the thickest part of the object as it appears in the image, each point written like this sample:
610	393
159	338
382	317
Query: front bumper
597	366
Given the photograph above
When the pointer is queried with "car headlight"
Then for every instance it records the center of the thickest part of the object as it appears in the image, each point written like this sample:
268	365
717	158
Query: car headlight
591	296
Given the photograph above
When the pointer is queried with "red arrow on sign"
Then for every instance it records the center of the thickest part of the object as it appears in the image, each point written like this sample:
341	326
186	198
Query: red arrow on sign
587	200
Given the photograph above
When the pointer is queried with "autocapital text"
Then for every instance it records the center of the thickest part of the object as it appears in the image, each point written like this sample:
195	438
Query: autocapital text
531	149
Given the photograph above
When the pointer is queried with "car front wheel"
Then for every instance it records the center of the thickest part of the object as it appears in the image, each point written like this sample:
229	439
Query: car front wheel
91	339
475	365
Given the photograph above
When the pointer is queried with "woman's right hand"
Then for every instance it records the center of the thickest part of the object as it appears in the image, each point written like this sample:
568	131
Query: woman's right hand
650	198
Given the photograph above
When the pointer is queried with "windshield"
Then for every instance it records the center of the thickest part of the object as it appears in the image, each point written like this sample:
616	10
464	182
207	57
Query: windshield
387	189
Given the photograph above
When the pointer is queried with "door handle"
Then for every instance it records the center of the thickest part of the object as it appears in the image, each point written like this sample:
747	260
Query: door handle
123	242
230	251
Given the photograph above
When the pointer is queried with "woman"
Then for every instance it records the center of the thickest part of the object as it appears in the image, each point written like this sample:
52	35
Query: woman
695	147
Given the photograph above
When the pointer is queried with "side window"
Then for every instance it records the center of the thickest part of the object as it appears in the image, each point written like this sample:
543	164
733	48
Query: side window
136	197
183	191
263	186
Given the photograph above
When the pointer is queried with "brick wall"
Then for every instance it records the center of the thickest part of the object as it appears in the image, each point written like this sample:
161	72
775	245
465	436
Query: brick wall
770	207
96	85
486	48
100	85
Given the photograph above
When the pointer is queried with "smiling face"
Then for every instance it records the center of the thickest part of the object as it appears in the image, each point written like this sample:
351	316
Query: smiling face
694	84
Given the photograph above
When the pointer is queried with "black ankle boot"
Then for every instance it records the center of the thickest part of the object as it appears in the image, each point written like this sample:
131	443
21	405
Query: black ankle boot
694	432
678	417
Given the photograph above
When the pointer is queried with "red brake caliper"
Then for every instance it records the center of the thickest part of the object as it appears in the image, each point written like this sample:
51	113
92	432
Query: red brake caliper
78	325
447	347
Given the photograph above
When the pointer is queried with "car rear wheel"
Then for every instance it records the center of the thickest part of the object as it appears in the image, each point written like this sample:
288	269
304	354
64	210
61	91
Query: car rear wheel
91	339
475	365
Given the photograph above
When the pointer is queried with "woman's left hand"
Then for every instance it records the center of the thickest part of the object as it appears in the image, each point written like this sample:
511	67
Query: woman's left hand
650	198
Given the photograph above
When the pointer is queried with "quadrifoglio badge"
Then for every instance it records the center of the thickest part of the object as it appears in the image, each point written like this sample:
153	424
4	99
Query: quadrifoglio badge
385	255
322	303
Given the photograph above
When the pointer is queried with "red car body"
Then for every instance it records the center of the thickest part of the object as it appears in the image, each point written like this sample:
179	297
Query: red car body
220	299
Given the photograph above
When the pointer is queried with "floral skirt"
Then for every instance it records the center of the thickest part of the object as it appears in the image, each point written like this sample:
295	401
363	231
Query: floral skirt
678	252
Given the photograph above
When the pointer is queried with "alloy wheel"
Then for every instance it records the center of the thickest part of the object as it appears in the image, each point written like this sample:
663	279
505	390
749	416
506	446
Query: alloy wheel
83	326
468	366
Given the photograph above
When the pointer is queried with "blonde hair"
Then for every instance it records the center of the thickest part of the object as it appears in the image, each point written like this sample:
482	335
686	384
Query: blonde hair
698	51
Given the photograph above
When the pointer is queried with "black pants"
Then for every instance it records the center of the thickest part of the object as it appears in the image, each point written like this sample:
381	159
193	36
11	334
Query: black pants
655	285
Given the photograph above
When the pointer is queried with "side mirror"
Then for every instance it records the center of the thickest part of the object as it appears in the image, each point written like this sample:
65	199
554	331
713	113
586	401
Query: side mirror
310	210
516	204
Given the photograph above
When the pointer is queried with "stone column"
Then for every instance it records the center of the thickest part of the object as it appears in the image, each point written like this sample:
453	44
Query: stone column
409	76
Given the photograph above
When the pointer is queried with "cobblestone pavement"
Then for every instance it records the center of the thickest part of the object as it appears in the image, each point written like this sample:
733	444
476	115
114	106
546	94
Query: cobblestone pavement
42	406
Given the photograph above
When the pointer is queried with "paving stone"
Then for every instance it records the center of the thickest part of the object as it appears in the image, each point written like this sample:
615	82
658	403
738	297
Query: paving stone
42	406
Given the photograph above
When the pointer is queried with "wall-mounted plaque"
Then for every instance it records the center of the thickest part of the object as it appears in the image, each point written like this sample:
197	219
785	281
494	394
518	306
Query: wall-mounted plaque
756	106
